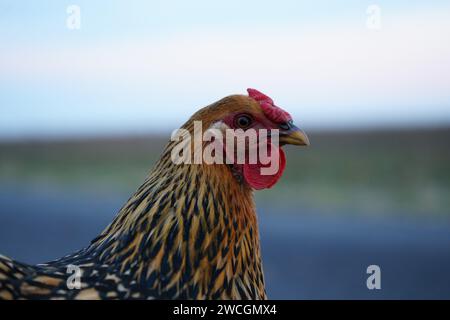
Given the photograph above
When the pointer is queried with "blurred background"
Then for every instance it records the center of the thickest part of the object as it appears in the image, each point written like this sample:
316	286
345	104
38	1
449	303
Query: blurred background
90	92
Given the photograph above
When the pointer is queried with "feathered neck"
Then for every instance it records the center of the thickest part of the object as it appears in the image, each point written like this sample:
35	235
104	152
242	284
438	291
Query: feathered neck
190	231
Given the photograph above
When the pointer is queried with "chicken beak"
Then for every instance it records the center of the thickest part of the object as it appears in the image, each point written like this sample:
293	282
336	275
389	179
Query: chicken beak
293	136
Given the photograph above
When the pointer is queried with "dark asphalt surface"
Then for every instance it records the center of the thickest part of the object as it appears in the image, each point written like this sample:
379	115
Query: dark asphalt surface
306	255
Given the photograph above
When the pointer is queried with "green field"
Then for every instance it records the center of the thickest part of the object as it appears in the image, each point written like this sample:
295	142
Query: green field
358	172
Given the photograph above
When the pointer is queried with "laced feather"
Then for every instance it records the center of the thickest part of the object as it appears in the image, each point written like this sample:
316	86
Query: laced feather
189	232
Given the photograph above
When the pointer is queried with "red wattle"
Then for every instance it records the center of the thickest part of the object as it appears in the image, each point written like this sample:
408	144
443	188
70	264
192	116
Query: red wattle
253	176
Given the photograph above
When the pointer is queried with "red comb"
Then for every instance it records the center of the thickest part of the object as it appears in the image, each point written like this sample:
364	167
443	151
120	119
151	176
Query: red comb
271	111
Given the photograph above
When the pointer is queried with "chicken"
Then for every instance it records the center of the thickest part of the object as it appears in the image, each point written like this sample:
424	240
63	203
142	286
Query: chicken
189	232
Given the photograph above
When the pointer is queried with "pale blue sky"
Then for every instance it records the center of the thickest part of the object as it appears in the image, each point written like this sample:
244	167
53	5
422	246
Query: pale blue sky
148	66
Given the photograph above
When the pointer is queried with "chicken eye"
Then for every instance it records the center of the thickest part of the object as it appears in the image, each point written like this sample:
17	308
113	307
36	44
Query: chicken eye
284	126
243	121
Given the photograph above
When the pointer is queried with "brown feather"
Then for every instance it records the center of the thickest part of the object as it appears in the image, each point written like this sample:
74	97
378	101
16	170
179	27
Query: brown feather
190	231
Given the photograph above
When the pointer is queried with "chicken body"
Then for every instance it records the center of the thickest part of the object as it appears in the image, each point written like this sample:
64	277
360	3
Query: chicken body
189	232
177	237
